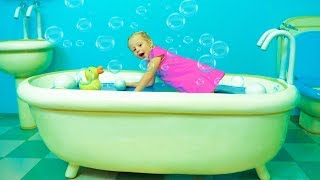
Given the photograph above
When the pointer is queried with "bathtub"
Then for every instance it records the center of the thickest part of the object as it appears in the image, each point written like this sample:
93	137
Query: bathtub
161	132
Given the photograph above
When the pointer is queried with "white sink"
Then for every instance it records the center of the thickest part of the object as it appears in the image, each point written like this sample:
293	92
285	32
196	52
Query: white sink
24	58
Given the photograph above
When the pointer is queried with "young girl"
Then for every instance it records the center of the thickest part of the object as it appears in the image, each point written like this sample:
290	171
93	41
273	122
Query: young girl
181	73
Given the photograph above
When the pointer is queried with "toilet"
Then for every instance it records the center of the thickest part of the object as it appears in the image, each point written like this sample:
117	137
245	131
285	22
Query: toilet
306	30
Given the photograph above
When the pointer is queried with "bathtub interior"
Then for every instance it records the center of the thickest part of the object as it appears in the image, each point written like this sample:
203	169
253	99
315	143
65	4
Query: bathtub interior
107	78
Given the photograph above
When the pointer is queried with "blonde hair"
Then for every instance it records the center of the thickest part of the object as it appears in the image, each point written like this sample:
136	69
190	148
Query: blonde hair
142	34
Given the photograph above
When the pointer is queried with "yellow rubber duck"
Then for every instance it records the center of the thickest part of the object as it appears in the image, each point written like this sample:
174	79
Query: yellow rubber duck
92	76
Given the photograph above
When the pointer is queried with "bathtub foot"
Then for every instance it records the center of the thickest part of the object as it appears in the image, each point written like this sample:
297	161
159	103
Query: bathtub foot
263	173
72	171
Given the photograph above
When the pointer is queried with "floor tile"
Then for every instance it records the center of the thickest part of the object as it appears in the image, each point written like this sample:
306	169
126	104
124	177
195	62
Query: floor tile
16	168
139	176
47	169
30	149
4	129
283	155
36	136
302	152
312	169
95	174
6	146
9	121
315	137
50	155
17	134
292	125
297	136
285	170
177	176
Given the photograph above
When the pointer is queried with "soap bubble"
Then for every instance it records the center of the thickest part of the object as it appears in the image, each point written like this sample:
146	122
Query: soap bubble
73	3
146	65
187	40
169	40
53	34
198	49
200	81
206	40
206	63
237	81
172	52
188	8
219	49
67	43
175	21
79	43
141	10
105	43
164	67
114	66
115	23
84	25
134	25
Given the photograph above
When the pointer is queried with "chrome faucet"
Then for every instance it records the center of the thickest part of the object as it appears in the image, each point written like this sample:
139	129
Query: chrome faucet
22	8
36	8
264	42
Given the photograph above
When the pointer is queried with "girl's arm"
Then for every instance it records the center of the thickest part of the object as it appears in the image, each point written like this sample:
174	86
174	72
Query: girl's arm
149	77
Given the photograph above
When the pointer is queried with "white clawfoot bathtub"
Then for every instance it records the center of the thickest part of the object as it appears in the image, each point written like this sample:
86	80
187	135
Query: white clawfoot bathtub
161	132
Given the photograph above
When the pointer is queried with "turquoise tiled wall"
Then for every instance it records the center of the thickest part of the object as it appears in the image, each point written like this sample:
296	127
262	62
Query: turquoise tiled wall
238	23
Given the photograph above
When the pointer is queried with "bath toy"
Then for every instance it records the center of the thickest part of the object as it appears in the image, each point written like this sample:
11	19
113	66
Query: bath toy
64	82
120	84
92	79
255	88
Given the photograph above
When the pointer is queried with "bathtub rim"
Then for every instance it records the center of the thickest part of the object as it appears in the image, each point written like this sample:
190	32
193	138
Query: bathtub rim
160	102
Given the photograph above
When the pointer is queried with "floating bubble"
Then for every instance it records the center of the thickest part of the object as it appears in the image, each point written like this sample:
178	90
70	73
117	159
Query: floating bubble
175	21
219	49
146	65
79	43
187	40
114	66
84	25
73	3
169	40
198	49
237	81
206	40
115	23
53	34
167	7
165	67
134	25
105	43
188	8
141	10
172	52
206	63
200	81
67	43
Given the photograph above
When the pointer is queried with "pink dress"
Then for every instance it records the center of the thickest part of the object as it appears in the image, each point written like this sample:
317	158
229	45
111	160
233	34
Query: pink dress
184	74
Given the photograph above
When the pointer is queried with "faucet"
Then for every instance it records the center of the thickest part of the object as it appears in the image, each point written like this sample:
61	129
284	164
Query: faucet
21	8
287	37
36	8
